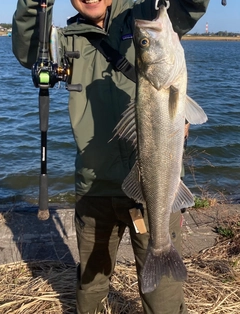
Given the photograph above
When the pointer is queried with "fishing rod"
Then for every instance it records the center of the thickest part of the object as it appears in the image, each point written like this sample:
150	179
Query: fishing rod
166	3
45	74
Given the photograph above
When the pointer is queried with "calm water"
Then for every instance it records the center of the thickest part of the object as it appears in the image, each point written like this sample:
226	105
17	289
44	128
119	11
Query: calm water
213	161
213	154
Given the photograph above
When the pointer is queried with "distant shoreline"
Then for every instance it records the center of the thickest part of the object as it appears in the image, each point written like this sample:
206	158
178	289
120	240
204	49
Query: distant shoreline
185	37
218	38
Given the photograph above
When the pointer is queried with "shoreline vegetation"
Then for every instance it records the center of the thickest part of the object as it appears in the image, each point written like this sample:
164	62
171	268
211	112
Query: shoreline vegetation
185	37
6	30
213	38
211	248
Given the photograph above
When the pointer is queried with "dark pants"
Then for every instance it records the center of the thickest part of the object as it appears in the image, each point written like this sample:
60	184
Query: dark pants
100	224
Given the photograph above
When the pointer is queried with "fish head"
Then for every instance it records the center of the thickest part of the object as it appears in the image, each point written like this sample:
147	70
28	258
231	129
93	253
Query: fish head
159	54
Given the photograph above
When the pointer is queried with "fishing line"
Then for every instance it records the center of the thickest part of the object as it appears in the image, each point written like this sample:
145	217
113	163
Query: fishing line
44	11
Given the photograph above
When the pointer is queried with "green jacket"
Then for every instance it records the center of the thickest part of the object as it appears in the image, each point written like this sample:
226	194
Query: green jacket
101	163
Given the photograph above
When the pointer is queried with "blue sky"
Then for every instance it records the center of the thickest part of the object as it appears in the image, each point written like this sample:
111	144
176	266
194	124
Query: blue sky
218	17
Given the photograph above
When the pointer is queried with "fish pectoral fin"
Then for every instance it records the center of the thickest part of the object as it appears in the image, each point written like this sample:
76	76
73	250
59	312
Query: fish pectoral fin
193	112
173	101
132	185
126	127
183	198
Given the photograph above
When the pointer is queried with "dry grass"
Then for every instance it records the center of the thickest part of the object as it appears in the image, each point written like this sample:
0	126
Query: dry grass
49	288
213	284
37	287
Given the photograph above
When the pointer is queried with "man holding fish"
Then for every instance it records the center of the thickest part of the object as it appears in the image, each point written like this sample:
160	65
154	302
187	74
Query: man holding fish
133	181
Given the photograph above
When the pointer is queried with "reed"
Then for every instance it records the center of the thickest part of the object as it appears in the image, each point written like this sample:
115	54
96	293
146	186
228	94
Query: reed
44	287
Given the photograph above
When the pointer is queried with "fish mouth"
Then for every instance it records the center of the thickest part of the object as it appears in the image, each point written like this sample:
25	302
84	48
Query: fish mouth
151	25
155	24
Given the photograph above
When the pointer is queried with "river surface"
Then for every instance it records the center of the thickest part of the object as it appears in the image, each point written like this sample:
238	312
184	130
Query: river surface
212	156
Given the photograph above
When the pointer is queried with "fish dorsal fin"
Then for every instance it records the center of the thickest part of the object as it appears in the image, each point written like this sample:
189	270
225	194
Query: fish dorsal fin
193	112
132	185
126	127
183	199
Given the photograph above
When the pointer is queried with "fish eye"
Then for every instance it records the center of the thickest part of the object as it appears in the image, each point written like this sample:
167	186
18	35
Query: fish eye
144	42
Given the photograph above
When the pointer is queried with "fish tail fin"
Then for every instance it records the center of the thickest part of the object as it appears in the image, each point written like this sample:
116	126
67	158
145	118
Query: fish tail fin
166	263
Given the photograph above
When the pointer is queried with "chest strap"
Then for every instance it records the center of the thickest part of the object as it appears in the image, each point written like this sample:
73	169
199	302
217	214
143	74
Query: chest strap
119	62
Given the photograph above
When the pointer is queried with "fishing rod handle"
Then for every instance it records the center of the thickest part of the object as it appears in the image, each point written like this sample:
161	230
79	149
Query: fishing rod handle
43	109
43	211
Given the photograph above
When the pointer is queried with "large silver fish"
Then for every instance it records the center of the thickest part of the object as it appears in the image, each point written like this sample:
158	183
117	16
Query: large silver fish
155	124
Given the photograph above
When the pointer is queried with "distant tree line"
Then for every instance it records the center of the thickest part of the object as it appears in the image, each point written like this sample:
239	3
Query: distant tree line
220	34
5	25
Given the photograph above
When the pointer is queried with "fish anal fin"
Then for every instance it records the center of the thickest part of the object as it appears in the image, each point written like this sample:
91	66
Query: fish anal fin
132	185
183	198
